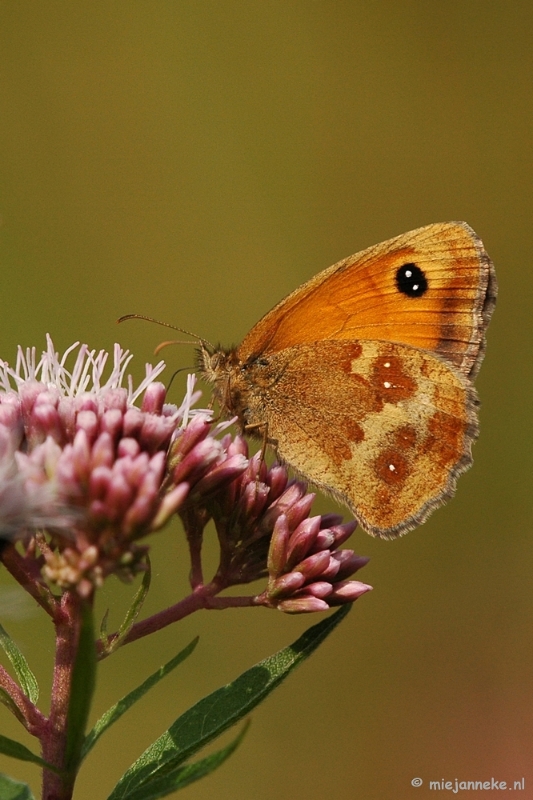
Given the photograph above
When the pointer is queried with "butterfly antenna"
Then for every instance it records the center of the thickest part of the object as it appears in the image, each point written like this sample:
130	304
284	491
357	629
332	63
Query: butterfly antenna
162	345
167	325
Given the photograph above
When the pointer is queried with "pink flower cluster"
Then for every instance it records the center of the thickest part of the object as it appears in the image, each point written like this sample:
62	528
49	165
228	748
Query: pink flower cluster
264	528
79	460
307	571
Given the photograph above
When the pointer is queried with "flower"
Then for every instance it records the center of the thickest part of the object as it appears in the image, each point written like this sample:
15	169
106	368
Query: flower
79	459
264	528
307	571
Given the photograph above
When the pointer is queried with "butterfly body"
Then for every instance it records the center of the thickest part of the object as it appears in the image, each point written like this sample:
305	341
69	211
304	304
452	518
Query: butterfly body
361	379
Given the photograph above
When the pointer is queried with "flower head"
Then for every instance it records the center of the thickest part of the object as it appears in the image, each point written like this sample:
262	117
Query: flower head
307	570
79	459
264	528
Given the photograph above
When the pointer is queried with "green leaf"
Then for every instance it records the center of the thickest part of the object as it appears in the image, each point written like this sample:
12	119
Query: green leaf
133	612
9	747
11	789
184	775
120	708
26	678
82	689
104	638
8	702
221	709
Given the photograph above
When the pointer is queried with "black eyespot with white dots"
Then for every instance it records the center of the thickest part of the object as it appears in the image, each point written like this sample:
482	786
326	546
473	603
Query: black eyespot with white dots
411	281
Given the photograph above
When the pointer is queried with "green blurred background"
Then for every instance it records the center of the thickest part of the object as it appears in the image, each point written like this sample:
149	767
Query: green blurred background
196	161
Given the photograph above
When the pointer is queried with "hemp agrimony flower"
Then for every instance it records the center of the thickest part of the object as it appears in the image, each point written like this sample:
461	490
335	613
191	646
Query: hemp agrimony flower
81	461
264	529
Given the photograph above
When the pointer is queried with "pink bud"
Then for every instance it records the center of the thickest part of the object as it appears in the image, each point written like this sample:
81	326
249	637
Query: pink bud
111	422
128	447
238	445
254	499
277	480
319	589
119	497
302	605
221	474
331	520
299	510
170	503
81	455
103	451
87	421
132	423
347	592
197	461
45	422
154	398
302	540
325	540
314	565
99	482
196	431
139	513
277	554
286	585
343	532
156	432
351	564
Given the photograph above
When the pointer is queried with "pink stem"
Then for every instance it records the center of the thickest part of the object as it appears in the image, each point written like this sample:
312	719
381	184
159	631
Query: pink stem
29	715
20	569
56	787
202	597
194	529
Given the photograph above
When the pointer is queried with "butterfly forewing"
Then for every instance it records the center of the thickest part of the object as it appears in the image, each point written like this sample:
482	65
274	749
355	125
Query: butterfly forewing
425	288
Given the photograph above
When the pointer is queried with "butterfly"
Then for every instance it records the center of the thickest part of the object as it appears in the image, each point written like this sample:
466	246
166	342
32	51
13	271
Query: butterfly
362	378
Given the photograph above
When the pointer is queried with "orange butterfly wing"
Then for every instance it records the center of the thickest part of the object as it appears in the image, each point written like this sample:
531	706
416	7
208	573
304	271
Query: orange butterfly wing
361	378
433	288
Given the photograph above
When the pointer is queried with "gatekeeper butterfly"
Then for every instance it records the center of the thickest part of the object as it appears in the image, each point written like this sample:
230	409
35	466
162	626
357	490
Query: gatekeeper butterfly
361	379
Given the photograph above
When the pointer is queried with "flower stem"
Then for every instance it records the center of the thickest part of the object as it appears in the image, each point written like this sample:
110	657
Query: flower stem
202	597
25	711
24	571
194	523
54	741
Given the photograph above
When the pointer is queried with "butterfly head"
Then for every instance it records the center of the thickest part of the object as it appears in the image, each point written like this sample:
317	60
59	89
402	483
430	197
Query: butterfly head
219	366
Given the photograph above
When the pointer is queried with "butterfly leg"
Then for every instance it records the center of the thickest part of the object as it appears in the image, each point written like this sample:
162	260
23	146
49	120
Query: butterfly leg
255	426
